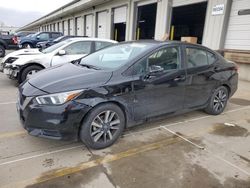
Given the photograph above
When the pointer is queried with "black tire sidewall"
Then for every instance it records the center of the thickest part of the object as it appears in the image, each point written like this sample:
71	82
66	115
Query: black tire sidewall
25	45
86	125
26	70
210	107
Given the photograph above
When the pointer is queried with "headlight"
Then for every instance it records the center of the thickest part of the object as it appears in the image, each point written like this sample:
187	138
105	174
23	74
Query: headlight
11	60
58	98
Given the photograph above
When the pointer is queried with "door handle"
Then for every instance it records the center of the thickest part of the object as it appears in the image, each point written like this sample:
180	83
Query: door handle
180	78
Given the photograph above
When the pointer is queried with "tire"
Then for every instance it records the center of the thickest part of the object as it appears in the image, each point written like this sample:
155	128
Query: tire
27	71
27	46
93	131
218	101
2	51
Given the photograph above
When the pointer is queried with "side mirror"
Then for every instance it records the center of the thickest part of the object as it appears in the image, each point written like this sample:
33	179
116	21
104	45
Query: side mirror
154	69
61	52
38	37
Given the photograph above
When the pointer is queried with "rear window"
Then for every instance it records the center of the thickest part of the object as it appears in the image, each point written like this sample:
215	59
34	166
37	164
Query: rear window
199	57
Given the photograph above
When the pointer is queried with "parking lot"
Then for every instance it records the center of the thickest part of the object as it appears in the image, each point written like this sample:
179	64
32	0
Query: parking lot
190	150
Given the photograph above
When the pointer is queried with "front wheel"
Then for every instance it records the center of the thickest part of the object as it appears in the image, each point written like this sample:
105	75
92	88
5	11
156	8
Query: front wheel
28	72
218	101
102	126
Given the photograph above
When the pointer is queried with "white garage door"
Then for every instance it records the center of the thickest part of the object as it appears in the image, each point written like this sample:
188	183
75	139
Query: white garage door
60	27
238	33
89	25
79	26
65	27
71	26
102	24
120	15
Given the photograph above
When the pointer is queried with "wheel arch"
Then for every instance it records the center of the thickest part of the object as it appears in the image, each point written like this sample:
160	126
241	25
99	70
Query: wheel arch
119	104
28	65
228	88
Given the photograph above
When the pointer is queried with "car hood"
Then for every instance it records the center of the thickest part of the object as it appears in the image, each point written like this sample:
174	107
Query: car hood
26	52
69	77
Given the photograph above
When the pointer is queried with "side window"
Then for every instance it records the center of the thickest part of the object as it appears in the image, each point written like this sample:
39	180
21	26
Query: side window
196	57
100	45
78	48
211	58
55	35
167	58
44	36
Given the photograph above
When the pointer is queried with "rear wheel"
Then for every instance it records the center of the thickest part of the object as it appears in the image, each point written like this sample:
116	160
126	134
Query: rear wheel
28	72
218	101
102	126
2	51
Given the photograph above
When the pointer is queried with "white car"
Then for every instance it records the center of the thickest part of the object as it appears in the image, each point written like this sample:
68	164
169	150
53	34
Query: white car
24	63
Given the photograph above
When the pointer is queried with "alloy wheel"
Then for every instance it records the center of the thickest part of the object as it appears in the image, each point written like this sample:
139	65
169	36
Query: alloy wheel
104	126
220	100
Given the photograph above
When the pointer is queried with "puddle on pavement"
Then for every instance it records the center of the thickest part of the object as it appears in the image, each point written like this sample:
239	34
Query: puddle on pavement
241	102
224	130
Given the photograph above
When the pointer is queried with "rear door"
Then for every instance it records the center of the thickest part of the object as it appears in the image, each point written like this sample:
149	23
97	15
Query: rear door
73	51
200	70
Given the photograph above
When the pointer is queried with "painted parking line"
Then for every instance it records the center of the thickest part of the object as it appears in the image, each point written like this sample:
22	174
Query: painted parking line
5	103
184	121
40	155
113	157
128	134
93	163
12	134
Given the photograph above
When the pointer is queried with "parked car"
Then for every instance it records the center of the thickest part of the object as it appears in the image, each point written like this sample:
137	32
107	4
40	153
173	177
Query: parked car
32	40
46	44
124	85
24	63
24	33
7	42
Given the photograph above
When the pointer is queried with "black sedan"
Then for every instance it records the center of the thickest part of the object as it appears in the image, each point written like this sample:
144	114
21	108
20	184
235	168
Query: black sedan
123	85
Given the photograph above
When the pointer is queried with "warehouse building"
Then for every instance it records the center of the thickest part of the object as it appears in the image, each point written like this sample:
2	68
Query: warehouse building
218	24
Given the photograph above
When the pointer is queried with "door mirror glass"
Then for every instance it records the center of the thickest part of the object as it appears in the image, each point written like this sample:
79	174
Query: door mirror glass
61	52
155	69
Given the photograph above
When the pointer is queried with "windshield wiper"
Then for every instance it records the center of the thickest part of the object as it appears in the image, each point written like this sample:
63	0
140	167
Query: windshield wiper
89	66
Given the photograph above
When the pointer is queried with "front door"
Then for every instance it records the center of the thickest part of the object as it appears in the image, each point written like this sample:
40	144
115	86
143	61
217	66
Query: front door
159	84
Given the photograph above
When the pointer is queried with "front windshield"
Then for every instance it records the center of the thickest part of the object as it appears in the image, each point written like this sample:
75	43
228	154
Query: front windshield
115	56
54	47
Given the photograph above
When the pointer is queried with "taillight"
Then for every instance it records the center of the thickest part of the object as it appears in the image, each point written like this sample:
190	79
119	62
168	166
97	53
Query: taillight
14	39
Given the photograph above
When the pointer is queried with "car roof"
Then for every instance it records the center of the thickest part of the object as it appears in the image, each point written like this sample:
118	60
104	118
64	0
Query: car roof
90	39
162	43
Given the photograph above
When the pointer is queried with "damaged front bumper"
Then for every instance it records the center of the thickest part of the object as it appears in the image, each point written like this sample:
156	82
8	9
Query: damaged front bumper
11	71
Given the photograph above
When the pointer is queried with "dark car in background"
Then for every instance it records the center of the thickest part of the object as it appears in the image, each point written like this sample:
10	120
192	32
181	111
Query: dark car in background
124	85
46	44
7	42
32	40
